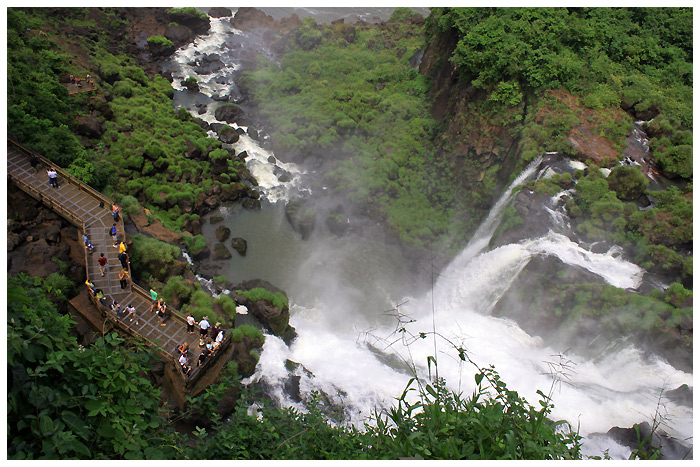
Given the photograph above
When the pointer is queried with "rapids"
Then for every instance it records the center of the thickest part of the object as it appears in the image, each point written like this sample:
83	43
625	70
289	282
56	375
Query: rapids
350	296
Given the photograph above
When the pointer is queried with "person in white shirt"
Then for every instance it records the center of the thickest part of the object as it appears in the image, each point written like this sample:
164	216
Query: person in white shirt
204	326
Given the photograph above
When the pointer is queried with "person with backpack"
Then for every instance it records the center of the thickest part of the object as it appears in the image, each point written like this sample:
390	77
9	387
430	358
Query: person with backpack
113	233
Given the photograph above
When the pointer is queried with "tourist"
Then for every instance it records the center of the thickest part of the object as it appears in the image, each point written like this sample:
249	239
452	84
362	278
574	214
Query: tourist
203	357
116	308
99	295
190	324
88	245
115	212
220	336
124	260
123	279
214	330
34	162
131	313
90	285
183	348
113	233
102	261
154	295
161	311
204	326
202	342
122	247
53	177
210	345
183	363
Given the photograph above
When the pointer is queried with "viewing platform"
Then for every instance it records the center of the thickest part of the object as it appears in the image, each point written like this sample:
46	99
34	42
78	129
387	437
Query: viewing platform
91	212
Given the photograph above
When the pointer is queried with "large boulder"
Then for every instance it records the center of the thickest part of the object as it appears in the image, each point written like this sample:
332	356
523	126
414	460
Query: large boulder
642	436
219	12
222	233
240	245
228	135
274	318
198	22
251	18
230	113
301	217
208	64
179	34
89	126
221	252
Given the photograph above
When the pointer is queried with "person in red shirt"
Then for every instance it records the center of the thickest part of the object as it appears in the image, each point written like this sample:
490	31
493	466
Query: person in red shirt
102	261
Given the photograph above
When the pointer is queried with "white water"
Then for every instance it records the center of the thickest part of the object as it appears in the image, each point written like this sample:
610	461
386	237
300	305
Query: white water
617	388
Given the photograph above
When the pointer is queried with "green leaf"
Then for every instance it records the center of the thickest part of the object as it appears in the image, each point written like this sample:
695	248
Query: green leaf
46	425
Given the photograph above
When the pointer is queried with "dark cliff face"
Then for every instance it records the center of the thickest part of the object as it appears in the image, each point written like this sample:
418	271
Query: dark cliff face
481	151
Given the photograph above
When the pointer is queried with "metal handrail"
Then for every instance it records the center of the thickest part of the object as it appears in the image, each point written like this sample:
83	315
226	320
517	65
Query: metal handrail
82	186
80	223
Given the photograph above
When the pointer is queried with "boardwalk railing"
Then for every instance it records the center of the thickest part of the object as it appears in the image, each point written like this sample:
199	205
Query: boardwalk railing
82	186
102	200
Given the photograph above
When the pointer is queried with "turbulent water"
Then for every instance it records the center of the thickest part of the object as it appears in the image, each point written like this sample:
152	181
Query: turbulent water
349	297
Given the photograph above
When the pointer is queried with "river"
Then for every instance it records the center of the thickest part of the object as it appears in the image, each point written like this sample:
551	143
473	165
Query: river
349	296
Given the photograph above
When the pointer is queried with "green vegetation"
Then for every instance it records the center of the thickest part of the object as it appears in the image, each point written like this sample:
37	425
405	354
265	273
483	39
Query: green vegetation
278	299
143	150
634	58
66	401
152	258
349	95
188	11
246	330
160	40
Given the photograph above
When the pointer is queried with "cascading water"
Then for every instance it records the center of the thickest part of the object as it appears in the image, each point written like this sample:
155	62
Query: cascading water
340	291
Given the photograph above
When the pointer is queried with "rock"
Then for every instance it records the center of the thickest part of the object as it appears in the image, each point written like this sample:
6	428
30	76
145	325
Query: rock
222	233
682	395
251	204
531	209
193	226
338	224
199	24
671	448
159	50
153	228
282	175
221	252
190	84
240	245
230	113
179	34
276	320
208	64
215	219
228	135
251	18
253	133
300	217
291	387
89	126
220	12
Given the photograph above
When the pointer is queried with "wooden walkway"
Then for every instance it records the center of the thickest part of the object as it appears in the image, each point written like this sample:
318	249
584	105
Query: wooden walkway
82	86
80	205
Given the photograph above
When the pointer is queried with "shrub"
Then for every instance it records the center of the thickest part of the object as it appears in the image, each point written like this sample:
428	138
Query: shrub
277	299
247	330
160	40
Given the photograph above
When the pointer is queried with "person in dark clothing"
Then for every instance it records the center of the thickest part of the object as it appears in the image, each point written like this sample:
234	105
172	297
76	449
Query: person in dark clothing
203	356
34	162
